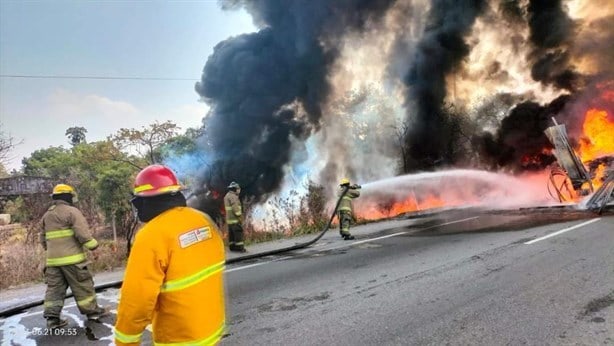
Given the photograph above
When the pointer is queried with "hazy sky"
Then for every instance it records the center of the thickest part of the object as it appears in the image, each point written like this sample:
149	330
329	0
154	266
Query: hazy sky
104	38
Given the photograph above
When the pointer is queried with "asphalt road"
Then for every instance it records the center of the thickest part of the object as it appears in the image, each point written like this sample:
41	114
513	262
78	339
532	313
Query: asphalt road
458	278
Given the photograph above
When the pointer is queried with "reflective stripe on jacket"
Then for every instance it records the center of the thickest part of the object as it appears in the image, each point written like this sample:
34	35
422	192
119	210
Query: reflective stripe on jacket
65	233
233	208
346	201
174	280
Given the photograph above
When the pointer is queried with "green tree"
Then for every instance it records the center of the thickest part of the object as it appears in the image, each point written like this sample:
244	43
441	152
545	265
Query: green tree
76	135
53	162
89	167
114	191
146	142
181	144
102	172
63	166
104	175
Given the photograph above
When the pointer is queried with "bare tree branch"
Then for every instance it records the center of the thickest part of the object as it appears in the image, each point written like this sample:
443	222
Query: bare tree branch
7	144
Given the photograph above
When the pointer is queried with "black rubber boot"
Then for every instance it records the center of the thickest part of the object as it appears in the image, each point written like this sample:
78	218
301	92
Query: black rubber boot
348	237
53	323
101	312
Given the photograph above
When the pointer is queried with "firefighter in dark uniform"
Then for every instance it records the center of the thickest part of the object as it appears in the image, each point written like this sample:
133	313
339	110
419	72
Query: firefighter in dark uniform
345	211
234	218
65	233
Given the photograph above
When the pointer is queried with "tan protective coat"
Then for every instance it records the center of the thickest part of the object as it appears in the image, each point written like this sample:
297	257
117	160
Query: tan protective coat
65	233
233	208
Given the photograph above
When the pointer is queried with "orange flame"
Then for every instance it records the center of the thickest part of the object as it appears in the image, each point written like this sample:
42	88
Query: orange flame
597	140
400	207
598	136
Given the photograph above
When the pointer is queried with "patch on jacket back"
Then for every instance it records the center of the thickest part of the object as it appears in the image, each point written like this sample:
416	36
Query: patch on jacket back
194	236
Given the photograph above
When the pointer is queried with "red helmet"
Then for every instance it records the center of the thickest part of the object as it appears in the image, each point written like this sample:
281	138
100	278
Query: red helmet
156	180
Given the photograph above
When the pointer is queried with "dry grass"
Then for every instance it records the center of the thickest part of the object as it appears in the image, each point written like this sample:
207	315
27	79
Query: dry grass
22	258
22	262
291	216
108	256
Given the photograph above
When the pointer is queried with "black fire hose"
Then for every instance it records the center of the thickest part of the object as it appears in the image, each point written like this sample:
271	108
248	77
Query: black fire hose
293	247
117	284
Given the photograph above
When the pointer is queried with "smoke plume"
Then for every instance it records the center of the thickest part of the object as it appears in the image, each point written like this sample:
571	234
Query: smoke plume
266	89
368	89
556	60
552	31
440	51
520	144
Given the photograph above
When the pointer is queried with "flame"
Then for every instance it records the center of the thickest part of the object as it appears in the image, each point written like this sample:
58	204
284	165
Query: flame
411	204
536	159
597	139
598	135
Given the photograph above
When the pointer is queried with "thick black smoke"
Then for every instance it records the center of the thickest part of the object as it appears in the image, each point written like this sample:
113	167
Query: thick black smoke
520	141
440	50
552	31
266	88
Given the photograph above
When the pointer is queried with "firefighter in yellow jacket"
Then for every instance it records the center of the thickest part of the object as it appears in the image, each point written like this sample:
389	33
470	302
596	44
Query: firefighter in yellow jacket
173	278
234	218
65	234
345	211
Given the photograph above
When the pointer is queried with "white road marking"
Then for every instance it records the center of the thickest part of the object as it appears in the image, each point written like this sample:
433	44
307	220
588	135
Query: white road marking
378	238
562	231
348	245
452	222
255	264
399	233
286	257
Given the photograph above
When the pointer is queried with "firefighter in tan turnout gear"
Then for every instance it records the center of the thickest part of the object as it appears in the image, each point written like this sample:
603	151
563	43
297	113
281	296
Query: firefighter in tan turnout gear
174	276
234	218
345	211
65	233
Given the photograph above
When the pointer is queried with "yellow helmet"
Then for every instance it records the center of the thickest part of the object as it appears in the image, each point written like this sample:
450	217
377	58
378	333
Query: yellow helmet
63	188
345	181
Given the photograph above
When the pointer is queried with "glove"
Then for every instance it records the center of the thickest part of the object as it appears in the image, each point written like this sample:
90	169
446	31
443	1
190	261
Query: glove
356	186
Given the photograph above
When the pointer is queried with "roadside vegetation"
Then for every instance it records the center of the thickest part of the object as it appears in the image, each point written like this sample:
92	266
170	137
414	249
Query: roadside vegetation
22	261
102	173
295	215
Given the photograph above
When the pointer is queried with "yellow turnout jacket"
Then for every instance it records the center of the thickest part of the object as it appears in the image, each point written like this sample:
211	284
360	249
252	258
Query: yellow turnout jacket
346	201
174	281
